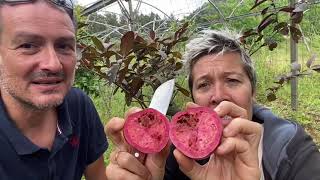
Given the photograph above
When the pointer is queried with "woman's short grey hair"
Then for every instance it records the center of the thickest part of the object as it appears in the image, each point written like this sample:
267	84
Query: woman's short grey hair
217	42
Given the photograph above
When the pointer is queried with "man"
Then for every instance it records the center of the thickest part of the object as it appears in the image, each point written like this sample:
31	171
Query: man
48	130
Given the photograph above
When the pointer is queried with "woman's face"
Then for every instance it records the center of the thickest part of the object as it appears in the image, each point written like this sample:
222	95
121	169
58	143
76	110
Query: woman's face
219	78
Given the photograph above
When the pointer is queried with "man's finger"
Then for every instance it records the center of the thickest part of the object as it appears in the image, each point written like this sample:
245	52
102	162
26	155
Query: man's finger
127	161
114	172
226	108
114	131
188	166
158	160
131	111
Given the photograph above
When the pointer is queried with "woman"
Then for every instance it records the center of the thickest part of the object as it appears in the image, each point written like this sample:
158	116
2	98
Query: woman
221	72
255	145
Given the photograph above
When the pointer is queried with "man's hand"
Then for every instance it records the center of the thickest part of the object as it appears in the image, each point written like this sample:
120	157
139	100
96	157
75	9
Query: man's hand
123	164
236	158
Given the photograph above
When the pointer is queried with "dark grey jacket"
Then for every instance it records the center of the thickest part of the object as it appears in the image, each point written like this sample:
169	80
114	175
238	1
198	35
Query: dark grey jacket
288	152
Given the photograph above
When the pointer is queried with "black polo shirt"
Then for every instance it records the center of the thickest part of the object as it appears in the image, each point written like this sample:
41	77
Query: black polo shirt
79	141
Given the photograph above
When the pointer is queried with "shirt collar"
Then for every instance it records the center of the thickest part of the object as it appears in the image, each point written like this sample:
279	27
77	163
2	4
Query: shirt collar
64	121
21	143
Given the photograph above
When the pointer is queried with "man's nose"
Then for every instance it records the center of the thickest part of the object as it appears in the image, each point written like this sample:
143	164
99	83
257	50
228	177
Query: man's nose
51	61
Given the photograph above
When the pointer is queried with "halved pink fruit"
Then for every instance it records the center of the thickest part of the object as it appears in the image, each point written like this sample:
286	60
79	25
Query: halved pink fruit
196	132
147	131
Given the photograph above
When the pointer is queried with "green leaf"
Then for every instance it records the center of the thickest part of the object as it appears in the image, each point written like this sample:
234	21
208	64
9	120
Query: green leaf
81	25
177	54
183	90
97	43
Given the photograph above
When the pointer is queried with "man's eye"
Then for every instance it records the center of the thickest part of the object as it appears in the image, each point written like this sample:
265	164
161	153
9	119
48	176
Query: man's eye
28	48
62	46
65	47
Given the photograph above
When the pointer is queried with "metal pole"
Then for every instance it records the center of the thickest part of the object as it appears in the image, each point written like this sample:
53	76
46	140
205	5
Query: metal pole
294	59
130	16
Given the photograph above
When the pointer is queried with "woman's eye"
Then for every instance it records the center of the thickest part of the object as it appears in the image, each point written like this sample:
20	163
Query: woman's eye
27	46
202	85
233	81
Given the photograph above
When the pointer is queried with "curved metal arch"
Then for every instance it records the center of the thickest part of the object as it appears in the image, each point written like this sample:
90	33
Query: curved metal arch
104	3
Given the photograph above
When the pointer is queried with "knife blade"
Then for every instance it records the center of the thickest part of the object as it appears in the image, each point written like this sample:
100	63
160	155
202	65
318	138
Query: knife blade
161	98
160	101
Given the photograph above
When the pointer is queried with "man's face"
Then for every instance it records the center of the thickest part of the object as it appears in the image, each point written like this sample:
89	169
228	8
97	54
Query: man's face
37	54
222	78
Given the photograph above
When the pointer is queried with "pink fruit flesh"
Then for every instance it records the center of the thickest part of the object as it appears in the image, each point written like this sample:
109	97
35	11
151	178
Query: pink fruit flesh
196	132
147	131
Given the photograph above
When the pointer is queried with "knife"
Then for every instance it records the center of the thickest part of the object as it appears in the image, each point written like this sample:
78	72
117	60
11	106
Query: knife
161	98
160	101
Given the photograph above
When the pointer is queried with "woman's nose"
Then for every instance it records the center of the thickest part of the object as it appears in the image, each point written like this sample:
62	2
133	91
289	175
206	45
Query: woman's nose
218	94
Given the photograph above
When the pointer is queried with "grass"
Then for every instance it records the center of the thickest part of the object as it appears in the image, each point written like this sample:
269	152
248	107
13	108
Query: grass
269	64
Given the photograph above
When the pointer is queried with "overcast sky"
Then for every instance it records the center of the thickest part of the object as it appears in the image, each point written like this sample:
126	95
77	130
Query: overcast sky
175	7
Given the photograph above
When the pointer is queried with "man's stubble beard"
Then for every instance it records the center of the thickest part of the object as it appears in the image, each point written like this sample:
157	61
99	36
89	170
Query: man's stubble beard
24	101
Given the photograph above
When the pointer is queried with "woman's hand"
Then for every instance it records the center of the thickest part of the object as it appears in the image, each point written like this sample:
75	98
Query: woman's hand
236	158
